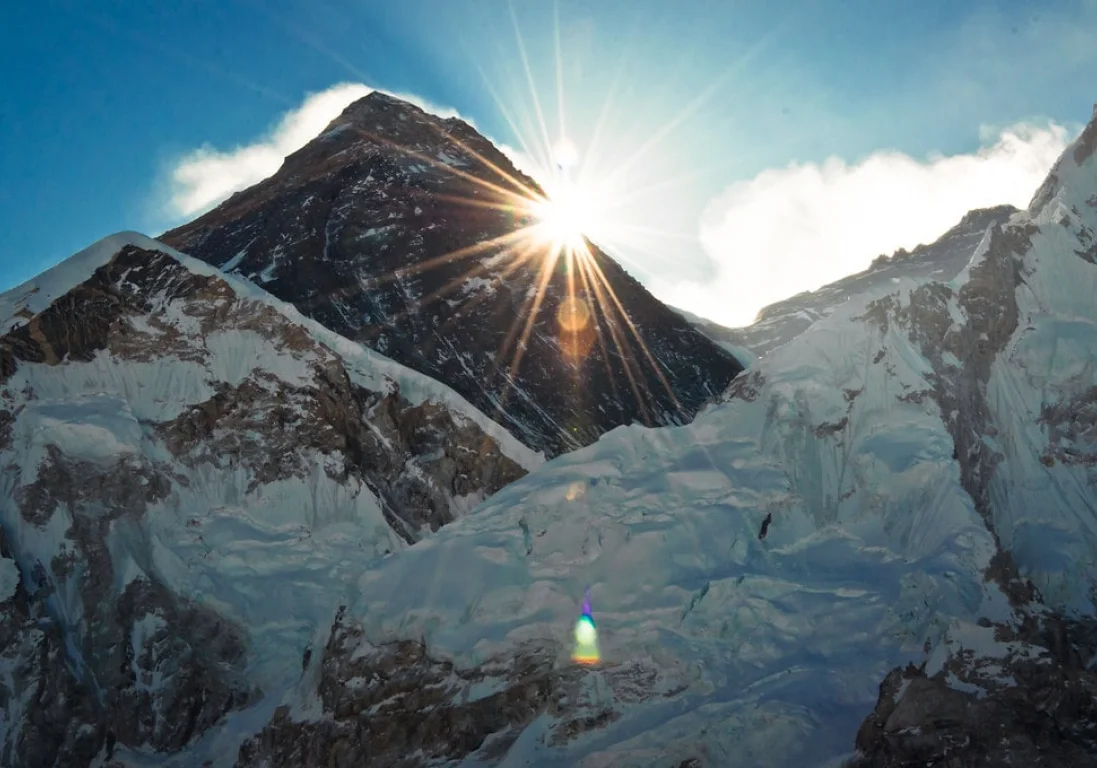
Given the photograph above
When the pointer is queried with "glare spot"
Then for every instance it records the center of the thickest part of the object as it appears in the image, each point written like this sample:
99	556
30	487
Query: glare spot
566	215
585	633
573	314
576	490
586	641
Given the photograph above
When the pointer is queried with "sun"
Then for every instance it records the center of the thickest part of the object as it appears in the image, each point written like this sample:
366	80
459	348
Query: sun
570	210
567	211
566	215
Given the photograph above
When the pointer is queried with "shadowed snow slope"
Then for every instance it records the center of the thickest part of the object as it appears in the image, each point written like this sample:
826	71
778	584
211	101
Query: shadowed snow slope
909	479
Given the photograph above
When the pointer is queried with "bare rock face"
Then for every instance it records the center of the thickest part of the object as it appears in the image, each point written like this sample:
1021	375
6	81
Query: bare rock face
1086	144
374	434
59	724
962	355
398	229
395	705
151	668
386	705
380	437
183	674
1036	706
1071	422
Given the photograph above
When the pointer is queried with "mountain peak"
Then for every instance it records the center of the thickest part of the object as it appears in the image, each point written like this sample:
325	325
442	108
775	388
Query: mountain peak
405	232
982	217
1076	155
374	105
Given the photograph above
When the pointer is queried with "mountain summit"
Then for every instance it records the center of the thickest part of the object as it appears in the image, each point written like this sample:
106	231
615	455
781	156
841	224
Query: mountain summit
398	229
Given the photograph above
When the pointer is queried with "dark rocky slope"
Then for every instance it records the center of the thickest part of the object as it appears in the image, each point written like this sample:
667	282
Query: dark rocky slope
392	229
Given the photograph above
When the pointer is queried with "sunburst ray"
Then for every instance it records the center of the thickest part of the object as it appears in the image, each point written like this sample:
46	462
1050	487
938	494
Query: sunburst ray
623	353
655	365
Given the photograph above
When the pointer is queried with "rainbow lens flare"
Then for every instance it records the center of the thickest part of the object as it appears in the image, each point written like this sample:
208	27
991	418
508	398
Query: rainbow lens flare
586	637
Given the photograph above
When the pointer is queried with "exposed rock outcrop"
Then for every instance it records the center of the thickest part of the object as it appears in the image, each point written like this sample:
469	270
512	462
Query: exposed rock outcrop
53	716
395	705
1034	706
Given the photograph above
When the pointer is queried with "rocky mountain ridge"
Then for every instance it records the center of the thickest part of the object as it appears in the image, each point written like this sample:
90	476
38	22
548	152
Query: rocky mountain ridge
940	261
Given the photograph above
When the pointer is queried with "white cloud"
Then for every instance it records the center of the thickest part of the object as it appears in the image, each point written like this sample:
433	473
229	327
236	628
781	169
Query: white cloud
203	178
797	228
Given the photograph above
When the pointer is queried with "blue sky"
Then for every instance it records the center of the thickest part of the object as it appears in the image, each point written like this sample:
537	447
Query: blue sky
103	99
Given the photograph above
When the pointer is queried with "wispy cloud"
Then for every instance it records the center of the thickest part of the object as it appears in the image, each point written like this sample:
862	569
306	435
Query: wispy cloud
201	179
797	228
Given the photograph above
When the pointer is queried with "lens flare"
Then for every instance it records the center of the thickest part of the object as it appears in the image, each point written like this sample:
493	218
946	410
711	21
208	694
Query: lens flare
586	637
585	633
573	315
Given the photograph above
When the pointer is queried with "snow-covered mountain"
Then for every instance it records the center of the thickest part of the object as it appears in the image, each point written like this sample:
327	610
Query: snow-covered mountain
395	228
192	476
882	537
904	492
